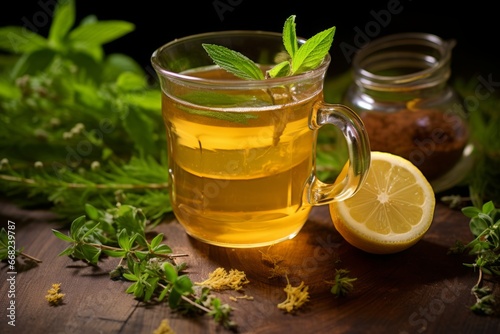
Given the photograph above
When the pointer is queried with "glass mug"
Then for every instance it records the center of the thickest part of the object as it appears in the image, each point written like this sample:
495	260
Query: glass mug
241	153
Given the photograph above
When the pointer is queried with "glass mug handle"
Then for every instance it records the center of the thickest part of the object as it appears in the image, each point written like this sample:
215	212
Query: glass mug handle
355	170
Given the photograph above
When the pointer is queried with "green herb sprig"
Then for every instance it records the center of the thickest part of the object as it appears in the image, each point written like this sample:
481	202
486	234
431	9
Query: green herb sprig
342	284
485	247
149	264
298	58
6	251
483	120
73	119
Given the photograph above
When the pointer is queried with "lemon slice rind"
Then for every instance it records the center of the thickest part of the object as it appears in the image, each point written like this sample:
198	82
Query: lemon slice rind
396	201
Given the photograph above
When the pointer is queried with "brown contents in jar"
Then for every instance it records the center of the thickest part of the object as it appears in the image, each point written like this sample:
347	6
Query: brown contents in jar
430	139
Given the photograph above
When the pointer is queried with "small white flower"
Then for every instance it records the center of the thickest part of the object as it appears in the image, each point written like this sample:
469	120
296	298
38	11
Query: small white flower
78	128
54	121
4	163
95	165
41	134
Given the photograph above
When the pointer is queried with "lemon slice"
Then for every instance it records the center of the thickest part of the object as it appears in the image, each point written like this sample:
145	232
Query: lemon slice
391	211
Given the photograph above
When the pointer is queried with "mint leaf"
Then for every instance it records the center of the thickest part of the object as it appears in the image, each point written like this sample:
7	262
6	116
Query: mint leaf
290	36
20	40
64	18
311	53
32	63
234	62
280	70
91	34
100	32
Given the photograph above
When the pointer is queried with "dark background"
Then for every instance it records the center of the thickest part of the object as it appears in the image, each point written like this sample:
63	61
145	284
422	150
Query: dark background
474	25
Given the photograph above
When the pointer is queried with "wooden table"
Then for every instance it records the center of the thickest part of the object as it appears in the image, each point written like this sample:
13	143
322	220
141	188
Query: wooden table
420	290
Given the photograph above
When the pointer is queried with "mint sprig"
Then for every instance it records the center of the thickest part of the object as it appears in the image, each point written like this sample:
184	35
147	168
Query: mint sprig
234	62
290	36
299	58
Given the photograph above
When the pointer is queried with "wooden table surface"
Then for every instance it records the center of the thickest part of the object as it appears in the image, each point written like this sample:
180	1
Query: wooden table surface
420	290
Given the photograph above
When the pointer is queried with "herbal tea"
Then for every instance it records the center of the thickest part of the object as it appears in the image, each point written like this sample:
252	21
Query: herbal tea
239	174
242	137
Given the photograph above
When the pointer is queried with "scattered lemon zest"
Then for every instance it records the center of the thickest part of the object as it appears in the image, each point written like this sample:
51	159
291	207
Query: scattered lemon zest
220	279
164	328
295	297
54	295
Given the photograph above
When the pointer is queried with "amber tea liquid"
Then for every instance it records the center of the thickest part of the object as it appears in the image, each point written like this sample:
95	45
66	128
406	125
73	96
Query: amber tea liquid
237	183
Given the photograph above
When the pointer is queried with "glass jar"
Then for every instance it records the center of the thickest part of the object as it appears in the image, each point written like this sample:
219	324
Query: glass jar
400	89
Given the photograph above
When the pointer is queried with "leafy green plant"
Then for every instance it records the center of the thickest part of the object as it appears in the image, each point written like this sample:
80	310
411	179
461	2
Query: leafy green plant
149	265
77	125
485	247
82	45
484	125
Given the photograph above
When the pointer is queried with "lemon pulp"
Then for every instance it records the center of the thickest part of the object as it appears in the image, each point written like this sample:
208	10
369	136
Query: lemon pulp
391	211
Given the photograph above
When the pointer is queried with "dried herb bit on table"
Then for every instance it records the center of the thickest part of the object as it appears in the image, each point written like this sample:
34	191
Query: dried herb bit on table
164	328
235	299
296	297
220	279
54	295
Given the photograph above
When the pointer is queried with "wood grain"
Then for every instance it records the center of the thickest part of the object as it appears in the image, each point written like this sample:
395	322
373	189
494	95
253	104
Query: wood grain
420	290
